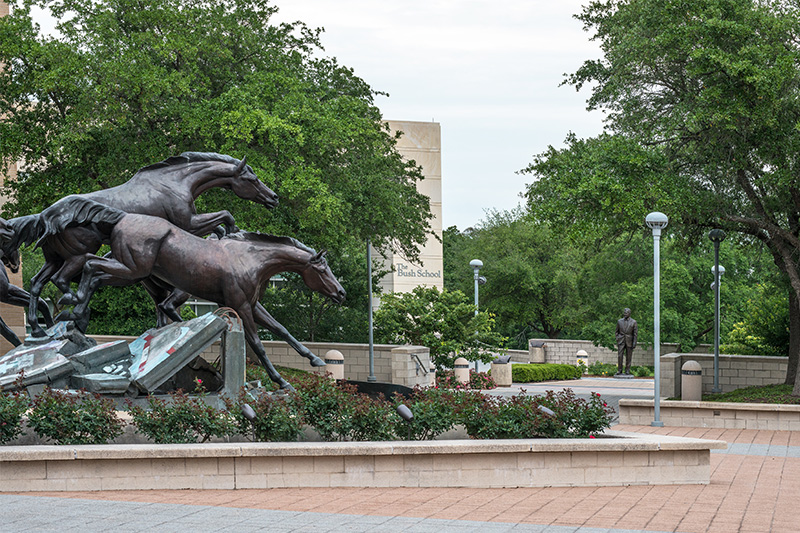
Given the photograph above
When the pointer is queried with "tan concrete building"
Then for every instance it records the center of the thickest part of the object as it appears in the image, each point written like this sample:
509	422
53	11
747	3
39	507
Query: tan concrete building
422	142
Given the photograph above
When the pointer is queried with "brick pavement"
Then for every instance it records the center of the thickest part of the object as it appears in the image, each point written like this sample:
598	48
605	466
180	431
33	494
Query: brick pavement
749	492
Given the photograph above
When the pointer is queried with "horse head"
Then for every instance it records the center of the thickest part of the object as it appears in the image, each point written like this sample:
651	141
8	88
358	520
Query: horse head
8	248
246	185
318	277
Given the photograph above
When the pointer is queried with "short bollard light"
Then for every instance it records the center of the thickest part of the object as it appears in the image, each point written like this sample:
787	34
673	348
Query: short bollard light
406	414
582	357
334	364
461	370
546	411
248	412
691	382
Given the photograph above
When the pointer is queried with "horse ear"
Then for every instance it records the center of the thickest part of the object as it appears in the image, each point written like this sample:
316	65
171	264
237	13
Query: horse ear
241	166
319	257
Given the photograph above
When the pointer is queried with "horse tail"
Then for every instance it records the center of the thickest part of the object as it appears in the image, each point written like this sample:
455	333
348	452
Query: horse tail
77	210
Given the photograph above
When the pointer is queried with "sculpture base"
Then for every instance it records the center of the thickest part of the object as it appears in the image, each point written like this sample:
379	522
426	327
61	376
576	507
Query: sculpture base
623	376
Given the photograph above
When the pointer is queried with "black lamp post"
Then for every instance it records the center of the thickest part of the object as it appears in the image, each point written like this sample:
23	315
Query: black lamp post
716	236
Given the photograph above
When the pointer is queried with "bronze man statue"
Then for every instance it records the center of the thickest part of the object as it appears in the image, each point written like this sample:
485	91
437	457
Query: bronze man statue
627	331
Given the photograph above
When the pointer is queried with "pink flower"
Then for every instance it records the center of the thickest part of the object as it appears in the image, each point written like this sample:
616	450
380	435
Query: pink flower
592	436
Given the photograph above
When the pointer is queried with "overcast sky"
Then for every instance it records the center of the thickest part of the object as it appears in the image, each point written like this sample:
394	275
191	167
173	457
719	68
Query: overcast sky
487	70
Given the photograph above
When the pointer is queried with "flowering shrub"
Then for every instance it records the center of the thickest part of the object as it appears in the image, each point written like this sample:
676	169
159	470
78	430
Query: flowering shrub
12	406
520	416
279	418
337	411
180	419
446	379
74	419
433	410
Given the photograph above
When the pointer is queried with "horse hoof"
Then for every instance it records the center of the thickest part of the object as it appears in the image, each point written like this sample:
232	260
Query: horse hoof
65	316
285	386
316	361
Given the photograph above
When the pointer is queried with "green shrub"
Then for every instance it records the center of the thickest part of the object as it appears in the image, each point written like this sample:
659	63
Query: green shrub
433	411
543	372
279	417
12	407
74	419
180	419
519	417
602	369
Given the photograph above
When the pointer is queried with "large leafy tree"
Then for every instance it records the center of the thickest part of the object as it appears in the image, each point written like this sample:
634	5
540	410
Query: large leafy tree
130	82
702	112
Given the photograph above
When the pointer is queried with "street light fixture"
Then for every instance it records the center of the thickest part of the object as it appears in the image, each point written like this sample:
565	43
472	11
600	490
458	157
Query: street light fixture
657	221
716	236
476	265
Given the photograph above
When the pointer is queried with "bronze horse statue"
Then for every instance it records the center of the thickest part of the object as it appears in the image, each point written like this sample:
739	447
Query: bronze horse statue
231	272
13	295
166	190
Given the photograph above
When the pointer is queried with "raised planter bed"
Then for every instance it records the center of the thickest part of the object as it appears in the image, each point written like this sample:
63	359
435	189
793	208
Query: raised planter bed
628	459
712	414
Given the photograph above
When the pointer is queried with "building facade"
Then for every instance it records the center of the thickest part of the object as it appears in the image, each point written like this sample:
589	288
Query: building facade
422	142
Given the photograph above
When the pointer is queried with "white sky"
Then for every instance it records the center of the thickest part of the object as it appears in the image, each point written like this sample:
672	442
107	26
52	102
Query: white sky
487	70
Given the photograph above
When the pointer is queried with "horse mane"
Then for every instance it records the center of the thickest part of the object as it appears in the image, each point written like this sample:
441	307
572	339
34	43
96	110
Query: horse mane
26	229
190	157
75	210
266	238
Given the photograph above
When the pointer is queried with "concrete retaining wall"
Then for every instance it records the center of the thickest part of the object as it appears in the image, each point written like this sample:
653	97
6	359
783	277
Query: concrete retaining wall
712	415
632	459
564	351
735	371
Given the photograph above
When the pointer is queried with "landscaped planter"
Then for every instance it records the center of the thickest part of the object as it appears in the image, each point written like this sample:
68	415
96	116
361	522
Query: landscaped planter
628	459
712	414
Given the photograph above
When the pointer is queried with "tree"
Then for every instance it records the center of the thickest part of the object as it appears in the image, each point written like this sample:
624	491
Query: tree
532	274
130	82
443	321
703	98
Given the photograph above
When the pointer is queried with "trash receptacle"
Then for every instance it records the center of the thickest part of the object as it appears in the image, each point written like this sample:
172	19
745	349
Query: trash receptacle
536	351
691	381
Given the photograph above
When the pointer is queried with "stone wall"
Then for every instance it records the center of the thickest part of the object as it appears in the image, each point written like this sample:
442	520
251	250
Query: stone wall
564	351
757	416
735	371
401	365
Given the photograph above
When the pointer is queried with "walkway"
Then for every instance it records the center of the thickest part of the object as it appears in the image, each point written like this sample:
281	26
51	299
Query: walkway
755	487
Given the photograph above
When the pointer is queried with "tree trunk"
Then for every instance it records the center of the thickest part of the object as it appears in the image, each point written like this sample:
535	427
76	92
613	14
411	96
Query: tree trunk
794	340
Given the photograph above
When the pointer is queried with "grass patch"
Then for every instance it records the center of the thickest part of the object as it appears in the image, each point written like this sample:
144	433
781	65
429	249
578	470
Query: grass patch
778	393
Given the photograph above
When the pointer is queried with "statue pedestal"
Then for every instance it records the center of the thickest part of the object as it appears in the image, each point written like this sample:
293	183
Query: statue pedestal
623	376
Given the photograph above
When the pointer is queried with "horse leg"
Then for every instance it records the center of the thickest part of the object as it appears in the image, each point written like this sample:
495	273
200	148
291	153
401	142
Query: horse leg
251	336
207	222
21	298
111	272
167	303
37	284
265	319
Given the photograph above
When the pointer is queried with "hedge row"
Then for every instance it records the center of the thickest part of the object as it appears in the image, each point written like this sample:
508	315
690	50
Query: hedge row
543	372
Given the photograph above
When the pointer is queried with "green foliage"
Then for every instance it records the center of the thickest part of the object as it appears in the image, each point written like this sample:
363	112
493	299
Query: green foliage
443	321
338	412
66	418
433	410
543	372
180	419
519	417
12	407
607	369
446	379
532	274
764	329
279	418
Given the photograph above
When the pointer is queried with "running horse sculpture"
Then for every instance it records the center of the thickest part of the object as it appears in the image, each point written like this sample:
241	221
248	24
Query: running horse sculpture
231	272
166	190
